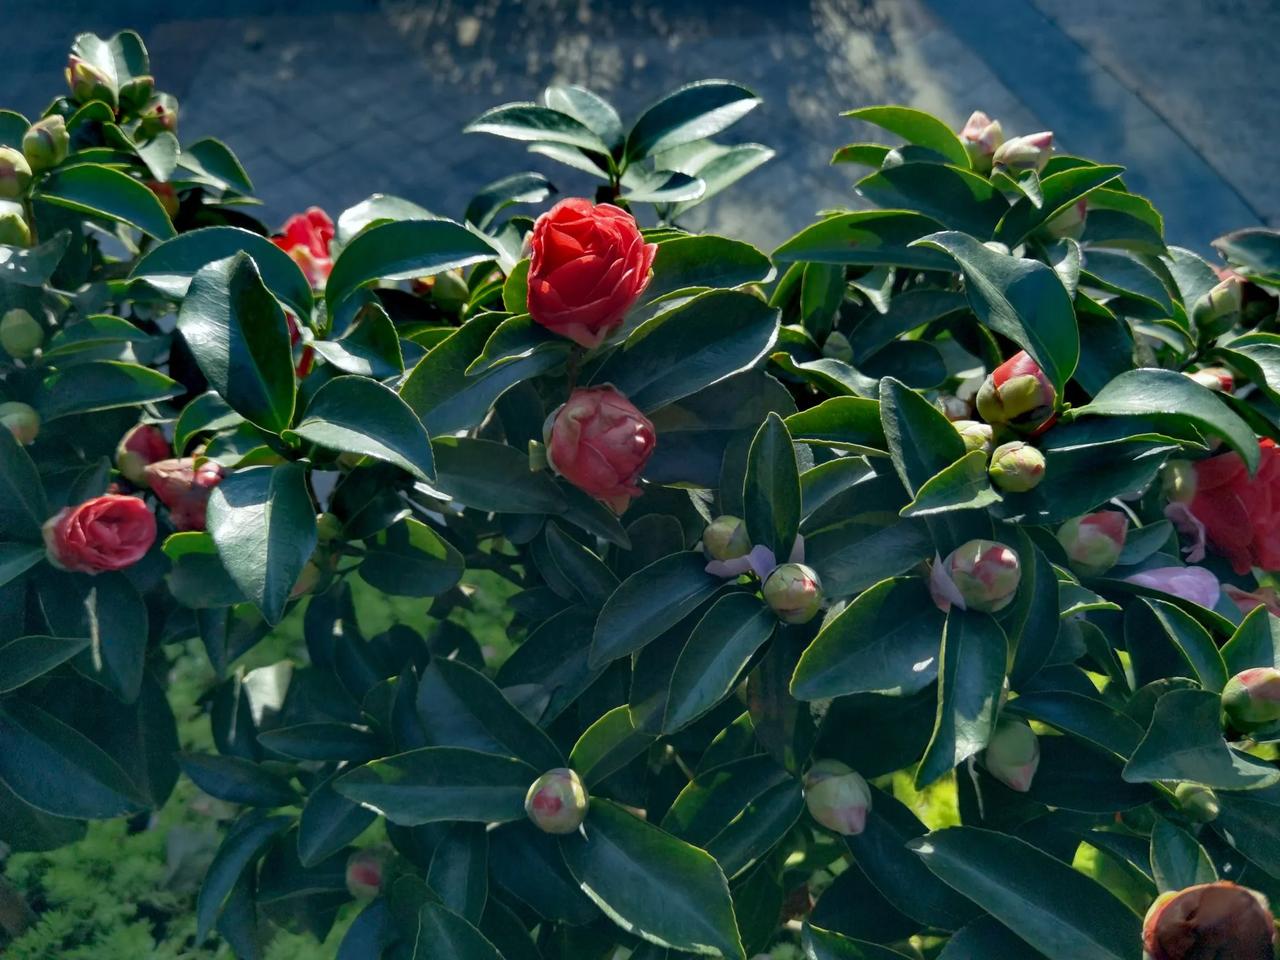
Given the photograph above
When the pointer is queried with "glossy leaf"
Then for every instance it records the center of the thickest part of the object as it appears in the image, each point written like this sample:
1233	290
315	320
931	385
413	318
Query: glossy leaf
649	602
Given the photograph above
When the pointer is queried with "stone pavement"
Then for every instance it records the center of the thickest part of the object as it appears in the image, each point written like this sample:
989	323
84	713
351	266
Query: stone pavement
329	100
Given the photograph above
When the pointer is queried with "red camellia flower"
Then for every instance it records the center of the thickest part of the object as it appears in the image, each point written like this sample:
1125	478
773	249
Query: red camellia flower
588	265
110	532
184	488
142	445
1240	513
600	442
306	238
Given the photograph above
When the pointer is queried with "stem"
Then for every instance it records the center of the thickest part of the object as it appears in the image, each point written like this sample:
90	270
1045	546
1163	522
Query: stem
574	362
16	914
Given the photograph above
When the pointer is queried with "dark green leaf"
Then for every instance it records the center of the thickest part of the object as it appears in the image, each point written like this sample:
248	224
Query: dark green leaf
921	440
1059	192
962	485
23	659
238	335
649	602
866	238
409	559
952	196
886	641
237	780
490	476
104	385
264	524
1177	859
329	822
693	112
530	122
771	493
915	126
607	746
105	192
242	846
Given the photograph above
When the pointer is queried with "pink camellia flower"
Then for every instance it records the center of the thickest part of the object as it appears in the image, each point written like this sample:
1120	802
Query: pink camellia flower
980	136
307	238
184	488
978	575
110	532
1210	921
141	446
1025	153
1093	542
600	442
588	264
1190	583
837	797
1248	600
1018	392
1241	513
1013	754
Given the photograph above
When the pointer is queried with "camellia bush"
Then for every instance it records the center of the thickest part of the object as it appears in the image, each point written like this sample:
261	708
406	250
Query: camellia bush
575	588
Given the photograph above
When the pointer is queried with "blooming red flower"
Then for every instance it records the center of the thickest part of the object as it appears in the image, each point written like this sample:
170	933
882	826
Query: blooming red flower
110	532
588	265
600	442
306	238
184	488
1240	513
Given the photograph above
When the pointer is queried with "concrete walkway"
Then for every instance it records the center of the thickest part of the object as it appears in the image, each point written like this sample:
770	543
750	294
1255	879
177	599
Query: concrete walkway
330	100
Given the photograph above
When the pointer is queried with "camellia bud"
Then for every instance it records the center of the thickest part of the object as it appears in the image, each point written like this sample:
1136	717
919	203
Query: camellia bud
20	333
86	82
184	488
20	420
1016	467
1178	482
160	114
142	446
1217	379
557	801
837	347
981	136
1017	392
365	874
45	143
1093	542
1013	754
1197	801
837	797
1209	921
975	434
1024	153
794	592
978	575
14	231
15	174
726	539
1251	699
328	528
1070	222
1223	302
449	291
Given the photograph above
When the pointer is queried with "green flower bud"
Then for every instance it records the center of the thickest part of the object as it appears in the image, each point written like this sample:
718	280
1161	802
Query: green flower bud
837	347
975	434
1017	467
726	539
1094	542
1013	754
14	231
1223	303
557	801
837	797
161	114
15	174
20	420
135	94
1178	482
328	528
20	334
979	575
1198	802
1070	222
1251	698
794	592
86	82
449	291
1210	921
1017	392
45	143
